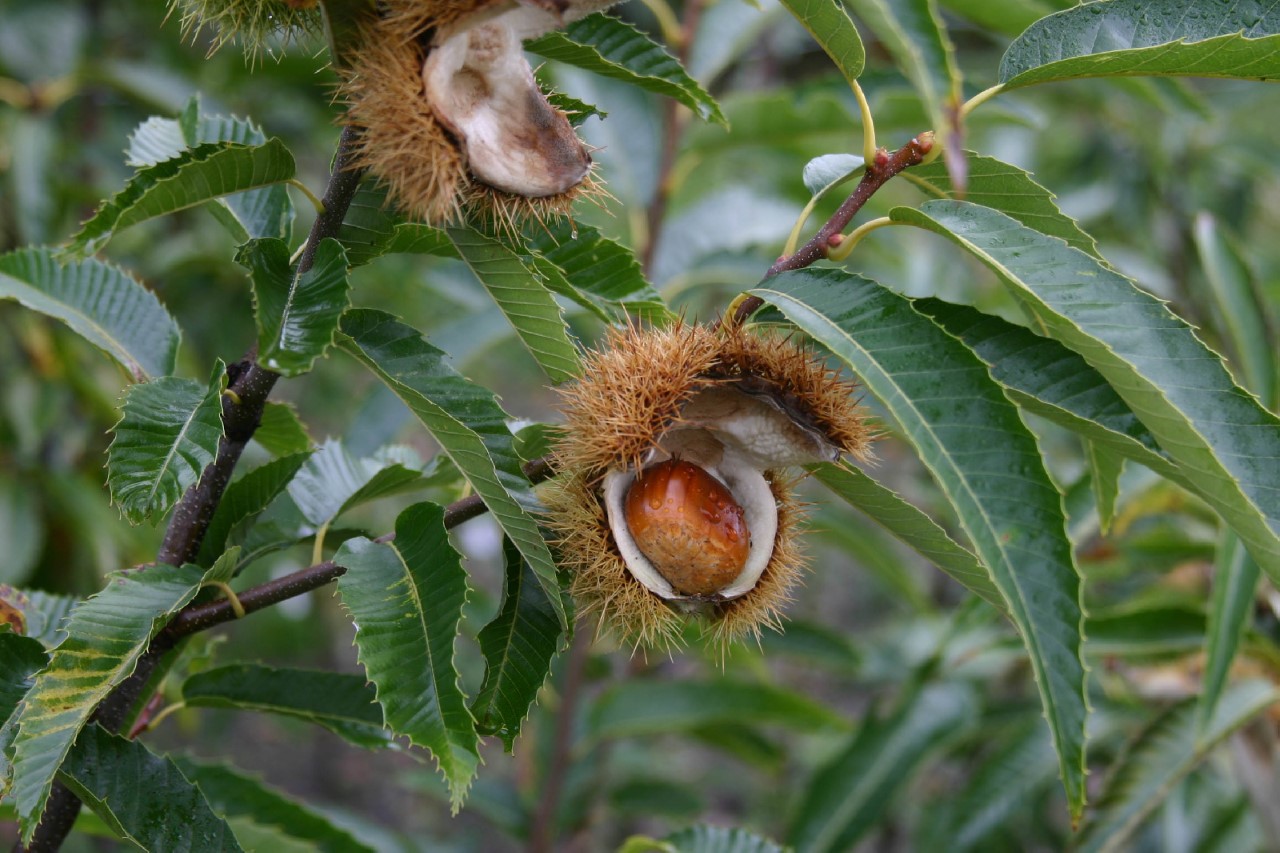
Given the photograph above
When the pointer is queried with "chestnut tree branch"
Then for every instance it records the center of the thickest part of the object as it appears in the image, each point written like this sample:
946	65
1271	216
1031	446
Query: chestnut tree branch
251	385
199	617
877	174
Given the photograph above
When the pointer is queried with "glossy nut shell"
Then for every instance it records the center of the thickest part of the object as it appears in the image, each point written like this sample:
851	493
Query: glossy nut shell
688	525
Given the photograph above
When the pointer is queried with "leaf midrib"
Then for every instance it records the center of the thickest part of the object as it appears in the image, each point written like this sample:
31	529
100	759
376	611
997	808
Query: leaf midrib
1032	638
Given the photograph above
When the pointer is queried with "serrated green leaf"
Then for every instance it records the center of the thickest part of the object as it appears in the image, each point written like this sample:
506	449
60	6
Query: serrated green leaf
344	704
642	707
280	432
574	110
1235	584
1160	757
606	271
415	238
1147	37
332	481
168	433
518	646
263	212
244	499
106	635
616	49
467	422
830	26
1217	434
100	302
1044	377
20	659
1240	308
143	797
525	300
911	526
237	795
1008	189
985	459
406	600
297	313
200	174
847	797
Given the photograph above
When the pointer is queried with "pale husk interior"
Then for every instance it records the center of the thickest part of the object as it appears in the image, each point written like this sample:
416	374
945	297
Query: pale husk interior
630	394
403	143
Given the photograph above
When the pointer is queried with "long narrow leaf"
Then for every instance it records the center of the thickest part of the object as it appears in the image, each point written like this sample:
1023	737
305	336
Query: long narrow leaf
1148	37
974	442
103	304
236	795
613	48
518	646
262	212
466	420
143	797
1159	758
200	174
829	24
1043	376
406	599
604	270
1008	189
1224	442
847	797
1235	583
911	526
344	704
1241	308
105	637
523	297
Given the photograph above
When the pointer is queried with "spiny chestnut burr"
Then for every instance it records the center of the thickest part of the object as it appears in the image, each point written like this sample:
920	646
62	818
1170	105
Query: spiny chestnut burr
452	120
672	496
688	526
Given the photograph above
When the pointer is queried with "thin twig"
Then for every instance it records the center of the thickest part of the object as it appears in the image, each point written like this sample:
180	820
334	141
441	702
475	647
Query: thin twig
201	617
878	172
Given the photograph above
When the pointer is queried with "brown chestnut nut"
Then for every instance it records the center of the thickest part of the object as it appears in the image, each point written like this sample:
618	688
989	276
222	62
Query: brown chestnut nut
688	525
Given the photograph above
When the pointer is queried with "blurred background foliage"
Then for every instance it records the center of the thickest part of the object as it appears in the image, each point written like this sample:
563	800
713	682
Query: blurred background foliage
624	743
